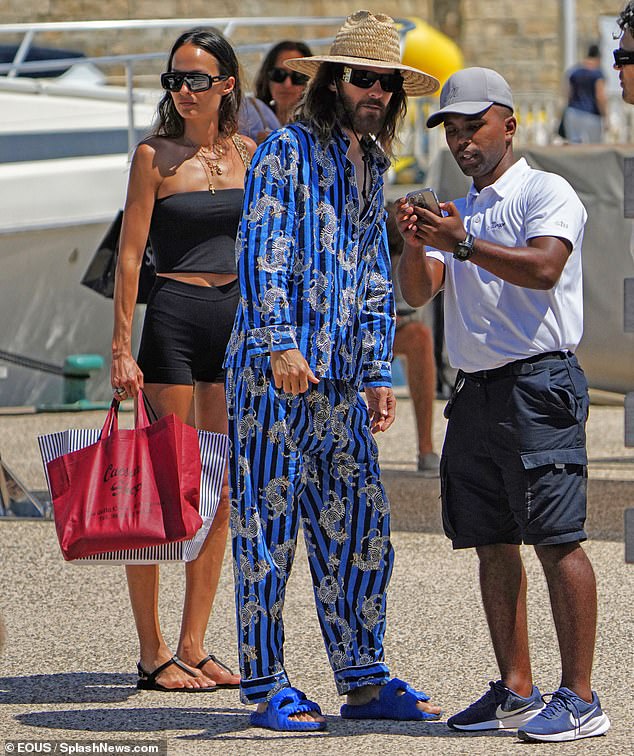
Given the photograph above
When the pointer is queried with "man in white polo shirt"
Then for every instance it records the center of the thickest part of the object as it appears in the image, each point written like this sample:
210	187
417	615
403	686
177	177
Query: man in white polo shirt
513	468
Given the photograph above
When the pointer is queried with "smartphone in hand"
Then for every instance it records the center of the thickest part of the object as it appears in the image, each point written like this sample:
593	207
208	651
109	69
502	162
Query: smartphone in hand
425	198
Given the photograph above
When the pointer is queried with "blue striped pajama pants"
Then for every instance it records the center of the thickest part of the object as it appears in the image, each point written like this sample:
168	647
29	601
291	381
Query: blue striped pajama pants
307	459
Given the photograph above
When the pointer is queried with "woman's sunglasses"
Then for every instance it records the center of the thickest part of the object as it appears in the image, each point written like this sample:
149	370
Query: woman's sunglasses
279	76
172	81
623	57
390	82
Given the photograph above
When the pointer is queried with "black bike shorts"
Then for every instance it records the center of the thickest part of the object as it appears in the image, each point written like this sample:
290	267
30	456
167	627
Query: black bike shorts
186	331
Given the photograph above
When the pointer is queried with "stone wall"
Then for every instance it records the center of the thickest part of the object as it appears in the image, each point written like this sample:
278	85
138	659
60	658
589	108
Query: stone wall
525	40
521	39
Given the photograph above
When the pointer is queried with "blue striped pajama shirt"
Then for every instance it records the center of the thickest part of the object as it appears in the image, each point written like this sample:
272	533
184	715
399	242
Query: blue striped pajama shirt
314	275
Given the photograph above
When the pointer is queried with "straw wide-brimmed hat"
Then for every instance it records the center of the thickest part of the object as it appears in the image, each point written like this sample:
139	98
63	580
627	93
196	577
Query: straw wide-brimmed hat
368	39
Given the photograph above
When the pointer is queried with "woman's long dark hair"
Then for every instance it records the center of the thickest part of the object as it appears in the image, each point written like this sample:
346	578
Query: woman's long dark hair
262	88
169	123
319	107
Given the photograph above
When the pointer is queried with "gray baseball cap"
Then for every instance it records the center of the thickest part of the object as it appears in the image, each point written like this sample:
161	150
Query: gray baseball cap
471	91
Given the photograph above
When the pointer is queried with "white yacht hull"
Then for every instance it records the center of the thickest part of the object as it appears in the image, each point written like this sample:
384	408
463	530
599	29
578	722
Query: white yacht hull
54	214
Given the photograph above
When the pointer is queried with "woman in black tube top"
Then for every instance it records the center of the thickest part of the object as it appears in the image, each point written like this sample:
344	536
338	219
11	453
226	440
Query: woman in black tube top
185	191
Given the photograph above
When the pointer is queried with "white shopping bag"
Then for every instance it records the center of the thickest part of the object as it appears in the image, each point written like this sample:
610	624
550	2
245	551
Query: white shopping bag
213	457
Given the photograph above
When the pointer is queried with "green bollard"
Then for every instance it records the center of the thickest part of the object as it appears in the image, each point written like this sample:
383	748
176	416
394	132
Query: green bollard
77	369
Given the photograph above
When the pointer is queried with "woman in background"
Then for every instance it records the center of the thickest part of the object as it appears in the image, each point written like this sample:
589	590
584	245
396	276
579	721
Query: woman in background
276	85
185	191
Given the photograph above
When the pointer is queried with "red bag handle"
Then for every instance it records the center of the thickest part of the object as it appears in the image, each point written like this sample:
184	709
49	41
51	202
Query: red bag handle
112	420
111	423
141	420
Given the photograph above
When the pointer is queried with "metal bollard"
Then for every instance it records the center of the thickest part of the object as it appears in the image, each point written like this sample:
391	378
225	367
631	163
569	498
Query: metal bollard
77	369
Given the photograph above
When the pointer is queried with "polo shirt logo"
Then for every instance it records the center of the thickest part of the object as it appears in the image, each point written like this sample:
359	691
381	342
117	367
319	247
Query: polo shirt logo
497	224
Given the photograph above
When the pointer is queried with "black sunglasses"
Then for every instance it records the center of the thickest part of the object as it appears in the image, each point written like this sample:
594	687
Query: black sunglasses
279	76
196	81
390	82
623	57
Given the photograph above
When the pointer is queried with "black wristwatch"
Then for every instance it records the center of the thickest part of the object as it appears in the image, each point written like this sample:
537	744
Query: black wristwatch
464	249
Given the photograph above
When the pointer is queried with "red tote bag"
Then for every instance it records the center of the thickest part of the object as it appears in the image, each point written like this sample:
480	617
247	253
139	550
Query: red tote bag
131	489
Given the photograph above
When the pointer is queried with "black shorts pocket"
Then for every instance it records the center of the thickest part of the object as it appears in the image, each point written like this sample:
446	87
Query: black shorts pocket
449	529
555	495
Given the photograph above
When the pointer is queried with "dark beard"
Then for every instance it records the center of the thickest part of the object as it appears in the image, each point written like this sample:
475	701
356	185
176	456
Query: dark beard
363	121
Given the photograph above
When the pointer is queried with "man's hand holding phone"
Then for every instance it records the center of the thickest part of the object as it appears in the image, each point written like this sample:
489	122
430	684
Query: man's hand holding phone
433	223
424	199
421	203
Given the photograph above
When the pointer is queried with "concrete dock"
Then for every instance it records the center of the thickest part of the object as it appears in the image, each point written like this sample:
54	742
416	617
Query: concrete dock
67	670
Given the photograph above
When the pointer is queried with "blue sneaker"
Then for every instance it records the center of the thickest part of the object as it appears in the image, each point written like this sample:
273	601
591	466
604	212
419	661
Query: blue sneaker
498	709
567	717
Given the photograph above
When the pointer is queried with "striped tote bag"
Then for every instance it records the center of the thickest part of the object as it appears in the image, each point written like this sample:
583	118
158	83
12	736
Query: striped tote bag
213	456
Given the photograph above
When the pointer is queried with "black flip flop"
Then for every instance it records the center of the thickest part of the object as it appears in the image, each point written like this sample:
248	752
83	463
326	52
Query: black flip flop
212	658
147	680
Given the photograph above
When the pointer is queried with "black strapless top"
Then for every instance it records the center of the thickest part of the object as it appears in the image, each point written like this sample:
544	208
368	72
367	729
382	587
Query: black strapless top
195	232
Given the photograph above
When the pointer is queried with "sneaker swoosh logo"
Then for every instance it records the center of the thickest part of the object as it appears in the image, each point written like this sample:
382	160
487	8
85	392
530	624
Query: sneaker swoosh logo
585	717
501	713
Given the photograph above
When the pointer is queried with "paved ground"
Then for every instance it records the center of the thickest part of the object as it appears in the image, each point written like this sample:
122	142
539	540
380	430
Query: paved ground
66	672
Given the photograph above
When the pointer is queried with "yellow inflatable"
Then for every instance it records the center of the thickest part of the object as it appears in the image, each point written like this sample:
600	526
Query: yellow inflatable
431	51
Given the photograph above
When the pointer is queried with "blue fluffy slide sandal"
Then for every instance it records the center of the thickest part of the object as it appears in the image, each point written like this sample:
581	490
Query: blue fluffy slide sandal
397	700
281	707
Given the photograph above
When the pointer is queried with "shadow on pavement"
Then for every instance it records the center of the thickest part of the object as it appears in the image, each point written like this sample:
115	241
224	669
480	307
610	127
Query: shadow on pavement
69	687
211	721
225	723
194	721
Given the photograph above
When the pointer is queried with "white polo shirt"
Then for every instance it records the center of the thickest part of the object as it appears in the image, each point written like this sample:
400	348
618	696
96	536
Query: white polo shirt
488	321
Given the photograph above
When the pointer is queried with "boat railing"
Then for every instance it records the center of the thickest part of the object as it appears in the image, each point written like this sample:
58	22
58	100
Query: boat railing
538	112
130	92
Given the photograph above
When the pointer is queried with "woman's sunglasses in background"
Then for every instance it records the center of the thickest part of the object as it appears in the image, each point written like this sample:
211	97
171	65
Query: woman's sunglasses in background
279	76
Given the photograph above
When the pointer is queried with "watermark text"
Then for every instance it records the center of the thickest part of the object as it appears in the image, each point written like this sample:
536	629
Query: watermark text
153	747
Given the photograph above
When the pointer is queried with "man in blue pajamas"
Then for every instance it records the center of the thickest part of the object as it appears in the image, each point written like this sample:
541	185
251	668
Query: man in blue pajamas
314	327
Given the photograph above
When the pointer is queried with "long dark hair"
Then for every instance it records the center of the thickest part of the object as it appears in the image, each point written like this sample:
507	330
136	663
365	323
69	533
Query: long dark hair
168	121
318	107
262	88
626	18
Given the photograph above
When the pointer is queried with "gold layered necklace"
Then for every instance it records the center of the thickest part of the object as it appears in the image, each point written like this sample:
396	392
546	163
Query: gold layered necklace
209	157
